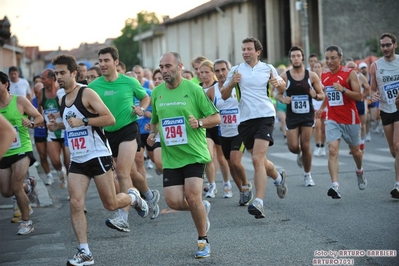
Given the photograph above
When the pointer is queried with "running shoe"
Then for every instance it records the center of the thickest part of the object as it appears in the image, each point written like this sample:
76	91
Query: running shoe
32	193
246	195
317	152
361	180
207	206
361	147
368	137
333	192
149	164
256	209
153	208
227	193
26	227
299	160
140	205
62	182
206	188
395	191
17	213
308	180
81	258
157	171
282	187
49	181
118	223
323	151
211	191
203	249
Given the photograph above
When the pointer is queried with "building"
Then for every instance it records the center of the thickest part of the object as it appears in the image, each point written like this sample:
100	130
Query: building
216	28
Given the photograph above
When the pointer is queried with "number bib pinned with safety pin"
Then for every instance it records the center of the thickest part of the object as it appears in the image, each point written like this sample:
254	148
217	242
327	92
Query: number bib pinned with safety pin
335	97
391	92
17	141
300	104
79	143
174	131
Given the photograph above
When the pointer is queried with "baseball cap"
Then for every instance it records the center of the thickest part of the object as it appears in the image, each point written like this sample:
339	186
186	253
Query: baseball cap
362	64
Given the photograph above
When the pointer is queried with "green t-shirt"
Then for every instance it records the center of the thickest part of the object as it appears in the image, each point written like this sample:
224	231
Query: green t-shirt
181	144
22	141
195	80
118	96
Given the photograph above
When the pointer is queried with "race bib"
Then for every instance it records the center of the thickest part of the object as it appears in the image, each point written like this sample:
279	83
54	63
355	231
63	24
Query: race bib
50	111
300	104
335	98
79	142
17	141
391	92
229	117
174	131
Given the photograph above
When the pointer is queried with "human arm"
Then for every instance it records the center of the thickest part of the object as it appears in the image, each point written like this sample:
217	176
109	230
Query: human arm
353	81
95	105
7	135
233	78
211	93
143	105
276	81
365	85
207	122
375	95
317	93
26	107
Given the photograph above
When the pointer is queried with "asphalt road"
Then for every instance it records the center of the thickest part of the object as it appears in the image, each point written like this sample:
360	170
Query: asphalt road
305	228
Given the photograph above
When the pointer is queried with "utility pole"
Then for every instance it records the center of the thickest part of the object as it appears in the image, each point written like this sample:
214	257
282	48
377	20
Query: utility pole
302	6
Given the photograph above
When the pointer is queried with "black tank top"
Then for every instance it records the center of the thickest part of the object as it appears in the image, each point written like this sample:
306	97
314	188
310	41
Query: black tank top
299	91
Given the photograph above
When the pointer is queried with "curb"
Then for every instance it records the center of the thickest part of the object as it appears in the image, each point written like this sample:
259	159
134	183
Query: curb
43	196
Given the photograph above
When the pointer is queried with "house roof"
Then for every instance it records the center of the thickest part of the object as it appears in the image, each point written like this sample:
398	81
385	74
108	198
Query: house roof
202	9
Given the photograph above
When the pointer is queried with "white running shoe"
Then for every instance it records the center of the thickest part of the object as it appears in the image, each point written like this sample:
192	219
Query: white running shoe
207	206
26	227
211	191
63	178
149	164
118	223
140	205
227	193
317	151
49	181
299	160
308	180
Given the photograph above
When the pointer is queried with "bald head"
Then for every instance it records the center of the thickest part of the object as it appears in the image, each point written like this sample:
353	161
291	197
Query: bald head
38	86
351	64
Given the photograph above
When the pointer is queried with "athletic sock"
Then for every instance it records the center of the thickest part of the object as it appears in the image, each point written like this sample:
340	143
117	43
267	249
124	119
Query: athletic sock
85	246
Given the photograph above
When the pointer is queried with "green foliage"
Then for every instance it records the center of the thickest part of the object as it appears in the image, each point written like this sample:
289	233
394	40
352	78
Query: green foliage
129	49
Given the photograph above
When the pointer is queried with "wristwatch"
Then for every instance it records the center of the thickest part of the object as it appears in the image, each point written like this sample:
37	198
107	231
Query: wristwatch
85	121
343	90
200	124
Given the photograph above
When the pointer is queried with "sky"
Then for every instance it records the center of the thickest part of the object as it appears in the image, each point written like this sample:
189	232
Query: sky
50	24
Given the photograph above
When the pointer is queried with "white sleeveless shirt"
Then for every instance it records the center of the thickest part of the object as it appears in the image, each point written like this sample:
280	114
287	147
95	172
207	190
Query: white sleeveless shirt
387	77
229	113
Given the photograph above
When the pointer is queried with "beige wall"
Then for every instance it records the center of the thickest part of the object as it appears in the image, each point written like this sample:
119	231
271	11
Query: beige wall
213	35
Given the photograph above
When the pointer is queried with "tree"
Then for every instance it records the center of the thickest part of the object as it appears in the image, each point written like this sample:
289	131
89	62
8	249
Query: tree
129	50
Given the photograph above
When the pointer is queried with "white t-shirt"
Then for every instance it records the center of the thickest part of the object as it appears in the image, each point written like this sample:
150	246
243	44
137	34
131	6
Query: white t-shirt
253	95
21	87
